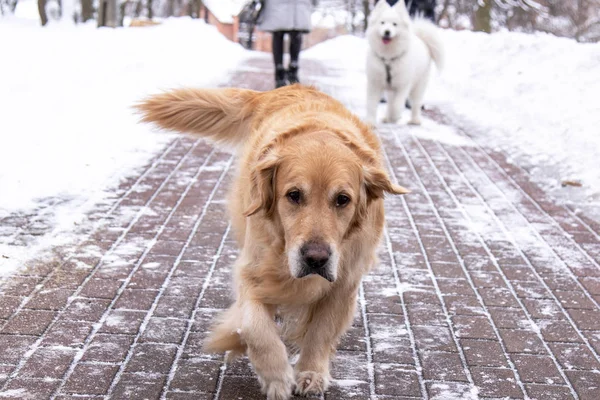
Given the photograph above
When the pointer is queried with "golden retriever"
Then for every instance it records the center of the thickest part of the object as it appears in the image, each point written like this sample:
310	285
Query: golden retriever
307	208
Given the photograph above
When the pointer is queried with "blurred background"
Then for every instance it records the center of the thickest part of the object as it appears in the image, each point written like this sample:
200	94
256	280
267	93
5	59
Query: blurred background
577	19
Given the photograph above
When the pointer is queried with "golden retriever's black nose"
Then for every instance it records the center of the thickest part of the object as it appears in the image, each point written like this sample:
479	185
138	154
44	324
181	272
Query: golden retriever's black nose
315	255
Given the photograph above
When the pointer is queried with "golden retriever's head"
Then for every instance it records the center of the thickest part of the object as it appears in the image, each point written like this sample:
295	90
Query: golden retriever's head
316	190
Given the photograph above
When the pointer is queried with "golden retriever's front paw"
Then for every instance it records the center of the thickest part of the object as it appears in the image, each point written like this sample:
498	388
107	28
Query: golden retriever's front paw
311	382
280	388
415	121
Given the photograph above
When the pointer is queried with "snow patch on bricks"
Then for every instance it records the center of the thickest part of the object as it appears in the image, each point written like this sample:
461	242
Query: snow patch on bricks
71	136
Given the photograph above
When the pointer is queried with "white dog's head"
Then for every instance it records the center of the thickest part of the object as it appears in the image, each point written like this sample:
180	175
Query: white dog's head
388	24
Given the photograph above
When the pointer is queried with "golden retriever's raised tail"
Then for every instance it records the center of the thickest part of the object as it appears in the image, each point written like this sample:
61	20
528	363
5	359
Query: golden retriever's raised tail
222	115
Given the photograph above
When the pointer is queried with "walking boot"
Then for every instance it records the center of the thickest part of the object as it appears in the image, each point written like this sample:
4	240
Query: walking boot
280	76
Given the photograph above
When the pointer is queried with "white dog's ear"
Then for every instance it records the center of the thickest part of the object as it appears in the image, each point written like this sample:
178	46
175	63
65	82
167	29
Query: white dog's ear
400	7
379	8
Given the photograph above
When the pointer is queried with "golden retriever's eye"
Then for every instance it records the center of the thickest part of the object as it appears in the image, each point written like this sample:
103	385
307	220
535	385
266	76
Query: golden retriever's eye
342	201
395	24
382	22
294	196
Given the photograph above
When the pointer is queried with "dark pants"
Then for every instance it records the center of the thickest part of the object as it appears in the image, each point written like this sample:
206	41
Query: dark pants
295	46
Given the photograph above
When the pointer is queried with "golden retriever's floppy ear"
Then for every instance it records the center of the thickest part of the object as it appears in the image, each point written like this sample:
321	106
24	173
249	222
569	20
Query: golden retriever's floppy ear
219	114
263	186
377	182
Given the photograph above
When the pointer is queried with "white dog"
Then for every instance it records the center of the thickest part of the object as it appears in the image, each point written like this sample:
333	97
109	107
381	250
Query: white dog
399	60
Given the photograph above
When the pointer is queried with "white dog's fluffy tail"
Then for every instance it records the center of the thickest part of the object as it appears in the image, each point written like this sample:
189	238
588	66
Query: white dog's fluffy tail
430	35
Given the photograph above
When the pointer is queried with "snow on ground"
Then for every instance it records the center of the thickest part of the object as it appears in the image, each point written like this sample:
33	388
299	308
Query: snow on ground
534	96
66	125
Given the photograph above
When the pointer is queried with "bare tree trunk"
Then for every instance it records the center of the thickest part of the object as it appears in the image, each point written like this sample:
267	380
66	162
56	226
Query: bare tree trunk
42	11
367	12
87	10
149	7
482	19
122	9
138	9
444	12
107	13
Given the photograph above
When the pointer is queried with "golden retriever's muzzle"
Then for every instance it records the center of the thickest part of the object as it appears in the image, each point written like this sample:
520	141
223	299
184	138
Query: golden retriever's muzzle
315	258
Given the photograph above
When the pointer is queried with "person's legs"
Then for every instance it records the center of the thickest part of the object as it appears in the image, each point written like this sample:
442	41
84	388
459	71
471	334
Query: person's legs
295	47
278	58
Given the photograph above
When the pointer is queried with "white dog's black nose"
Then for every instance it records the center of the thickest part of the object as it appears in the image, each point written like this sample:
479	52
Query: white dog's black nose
315	255
387	33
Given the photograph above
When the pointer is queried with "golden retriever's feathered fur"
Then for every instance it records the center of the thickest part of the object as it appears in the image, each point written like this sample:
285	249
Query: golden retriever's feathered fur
307	208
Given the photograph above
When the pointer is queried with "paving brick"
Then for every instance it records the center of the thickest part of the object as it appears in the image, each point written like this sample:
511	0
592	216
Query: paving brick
174	307
430	315
20	285
521	341
152	358
241	388
448	390
147	279
8	305
136	299
108	348
101	288
544	309
391	381
537	369
473	327
463	305
441	366
48	363
494	382
389	332
574	299
500	297
80	382
29	322
164	330
20	389
508	317
549	392
586	319
49	299
586	383
67	334
434	338
139	386
124	322
484	353
90	310
574	356
196	376
447	270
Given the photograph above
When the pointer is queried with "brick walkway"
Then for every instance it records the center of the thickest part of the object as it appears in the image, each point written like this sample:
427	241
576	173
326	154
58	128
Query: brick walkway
486	288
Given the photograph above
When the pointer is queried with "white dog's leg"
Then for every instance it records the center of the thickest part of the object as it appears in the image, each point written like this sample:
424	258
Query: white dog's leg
331	317
266	351
416	100
396	101
373	97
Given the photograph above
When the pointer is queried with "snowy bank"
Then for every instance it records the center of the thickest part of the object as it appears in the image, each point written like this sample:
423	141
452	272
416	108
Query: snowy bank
534	96
67	130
